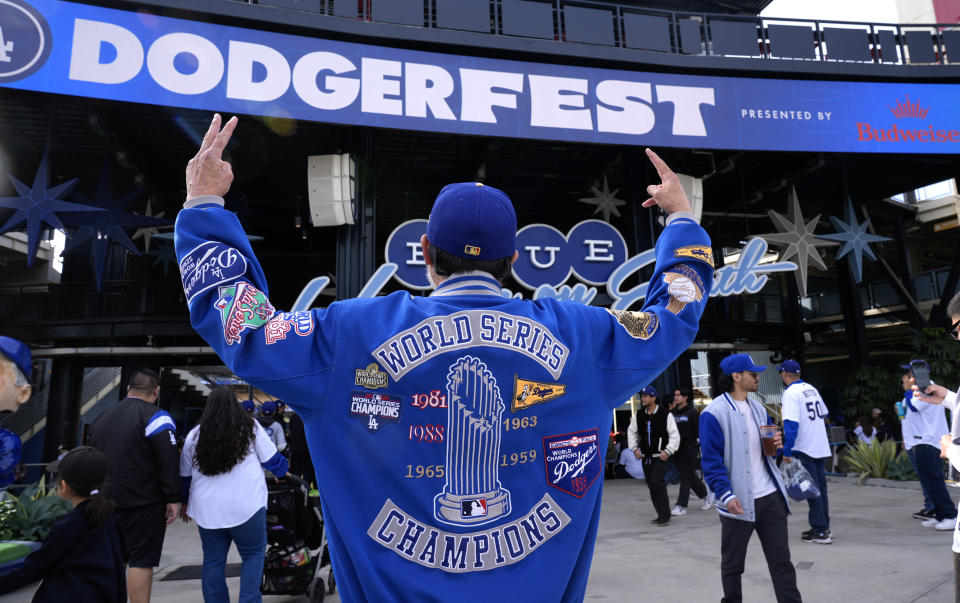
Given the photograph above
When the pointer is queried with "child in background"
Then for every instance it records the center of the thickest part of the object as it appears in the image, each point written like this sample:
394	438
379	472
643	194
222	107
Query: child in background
80	558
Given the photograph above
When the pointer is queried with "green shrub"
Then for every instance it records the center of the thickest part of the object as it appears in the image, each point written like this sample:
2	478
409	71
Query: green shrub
873	461
30	515
901	468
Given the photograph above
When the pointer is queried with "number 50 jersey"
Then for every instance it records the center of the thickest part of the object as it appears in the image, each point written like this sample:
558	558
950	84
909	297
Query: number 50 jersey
458	439
802	403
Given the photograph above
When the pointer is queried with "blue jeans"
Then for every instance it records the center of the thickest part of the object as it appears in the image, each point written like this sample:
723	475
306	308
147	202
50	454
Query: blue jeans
931	476
819	514
251	540
927	501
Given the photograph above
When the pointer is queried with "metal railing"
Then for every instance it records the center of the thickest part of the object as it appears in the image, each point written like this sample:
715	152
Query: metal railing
685	33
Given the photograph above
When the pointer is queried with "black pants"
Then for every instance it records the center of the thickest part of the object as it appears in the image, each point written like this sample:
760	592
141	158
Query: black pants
686	462
771	527
654	471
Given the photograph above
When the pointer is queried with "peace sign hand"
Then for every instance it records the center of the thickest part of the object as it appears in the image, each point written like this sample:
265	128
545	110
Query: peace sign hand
669	195
207	172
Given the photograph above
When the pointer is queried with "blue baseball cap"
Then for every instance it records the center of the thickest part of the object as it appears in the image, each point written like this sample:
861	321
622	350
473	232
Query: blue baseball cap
649	390
473	221
736	363
268	408
248	405
790	366
18	353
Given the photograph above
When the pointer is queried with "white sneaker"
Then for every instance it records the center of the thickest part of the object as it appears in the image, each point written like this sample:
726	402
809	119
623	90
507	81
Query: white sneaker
678	510
709	502
947	523
929	523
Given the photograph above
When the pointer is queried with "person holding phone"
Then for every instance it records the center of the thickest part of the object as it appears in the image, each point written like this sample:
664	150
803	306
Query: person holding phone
941	397
924	425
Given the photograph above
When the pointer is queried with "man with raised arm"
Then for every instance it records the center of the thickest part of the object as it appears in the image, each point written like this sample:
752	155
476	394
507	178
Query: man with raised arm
495	410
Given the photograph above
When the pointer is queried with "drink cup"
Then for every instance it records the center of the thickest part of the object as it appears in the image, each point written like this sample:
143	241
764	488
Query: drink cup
767	435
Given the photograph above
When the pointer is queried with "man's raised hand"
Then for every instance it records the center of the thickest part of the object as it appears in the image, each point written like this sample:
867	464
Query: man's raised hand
669	193
207	172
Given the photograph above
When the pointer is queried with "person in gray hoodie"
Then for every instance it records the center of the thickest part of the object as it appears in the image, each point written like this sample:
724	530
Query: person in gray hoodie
750	492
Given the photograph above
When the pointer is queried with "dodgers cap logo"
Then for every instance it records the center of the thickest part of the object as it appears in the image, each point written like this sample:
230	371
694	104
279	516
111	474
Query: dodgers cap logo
25	40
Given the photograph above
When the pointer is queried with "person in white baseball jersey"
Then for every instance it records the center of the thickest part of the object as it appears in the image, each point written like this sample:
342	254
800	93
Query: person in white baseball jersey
924	426
805	438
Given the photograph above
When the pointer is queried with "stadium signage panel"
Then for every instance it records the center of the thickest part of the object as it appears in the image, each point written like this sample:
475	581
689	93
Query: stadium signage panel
592	251
84	50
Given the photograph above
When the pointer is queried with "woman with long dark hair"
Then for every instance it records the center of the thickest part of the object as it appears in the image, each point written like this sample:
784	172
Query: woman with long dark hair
80	559
225	492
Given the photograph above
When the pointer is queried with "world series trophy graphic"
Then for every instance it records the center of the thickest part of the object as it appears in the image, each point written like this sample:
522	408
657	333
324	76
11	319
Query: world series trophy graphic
473	494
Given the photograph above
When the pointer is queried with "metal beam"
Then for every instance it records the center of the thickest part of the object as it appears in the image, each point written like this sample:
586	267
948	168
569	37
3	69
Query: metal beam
122	351
917	319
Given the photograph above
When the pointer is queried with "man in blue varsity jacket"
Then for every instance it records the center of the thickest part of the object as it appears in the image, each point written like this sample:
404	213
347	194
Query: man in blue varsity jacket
750	492
494	410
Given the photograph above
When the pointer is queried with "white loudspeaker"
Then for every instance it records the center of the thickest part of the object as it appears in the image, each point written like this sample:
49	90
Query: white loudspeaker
331	186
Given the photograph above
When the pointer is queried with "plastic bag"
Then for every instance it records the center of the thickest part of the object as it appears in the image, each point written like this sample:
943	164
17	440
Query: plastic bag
799	482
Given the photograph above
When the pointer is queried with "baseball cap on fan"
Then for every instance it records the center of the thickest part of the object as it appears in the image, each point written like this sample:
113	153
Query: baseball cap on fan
789	366
19	353
737	363
473	221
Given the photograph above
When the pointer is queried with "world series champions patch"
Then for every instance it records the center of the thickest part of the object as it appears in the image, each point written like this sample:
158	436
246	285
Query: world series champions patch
242	306
376	408
573	461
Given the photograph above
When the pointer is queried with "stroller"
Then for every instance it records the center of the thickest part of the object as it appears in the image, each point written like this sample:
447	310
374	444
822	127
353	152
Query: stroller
297	542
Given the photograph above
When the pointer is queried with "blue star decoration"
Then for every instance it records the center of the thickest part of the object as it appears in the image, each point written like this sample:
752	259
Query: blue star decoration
102	227
39	205
165	254
854	237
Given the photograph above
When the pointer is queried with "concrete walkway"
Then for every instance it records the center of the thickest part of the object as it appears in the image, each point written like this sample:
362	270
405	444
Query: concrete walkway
879	553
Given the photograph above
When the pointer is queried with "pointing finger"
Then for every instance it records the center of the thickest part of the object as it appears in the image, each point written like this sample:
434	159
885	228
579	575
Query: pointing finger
658	163
221	140
211	134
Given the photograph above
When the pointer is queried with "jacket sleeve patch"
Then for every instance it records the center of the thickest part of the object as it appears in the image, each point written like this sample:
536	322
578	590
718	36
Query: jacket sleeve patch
698	252
640	325
208	265
684	286
242	306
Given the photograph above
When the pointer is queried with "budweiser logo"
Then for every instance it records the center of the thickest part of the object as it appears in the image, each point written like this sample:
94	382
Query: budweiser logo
893	132
908	109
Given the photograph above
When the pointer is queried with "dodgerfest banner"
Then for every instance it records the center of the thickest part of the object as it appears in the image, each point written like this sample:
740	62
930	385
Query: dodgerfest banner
83	50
